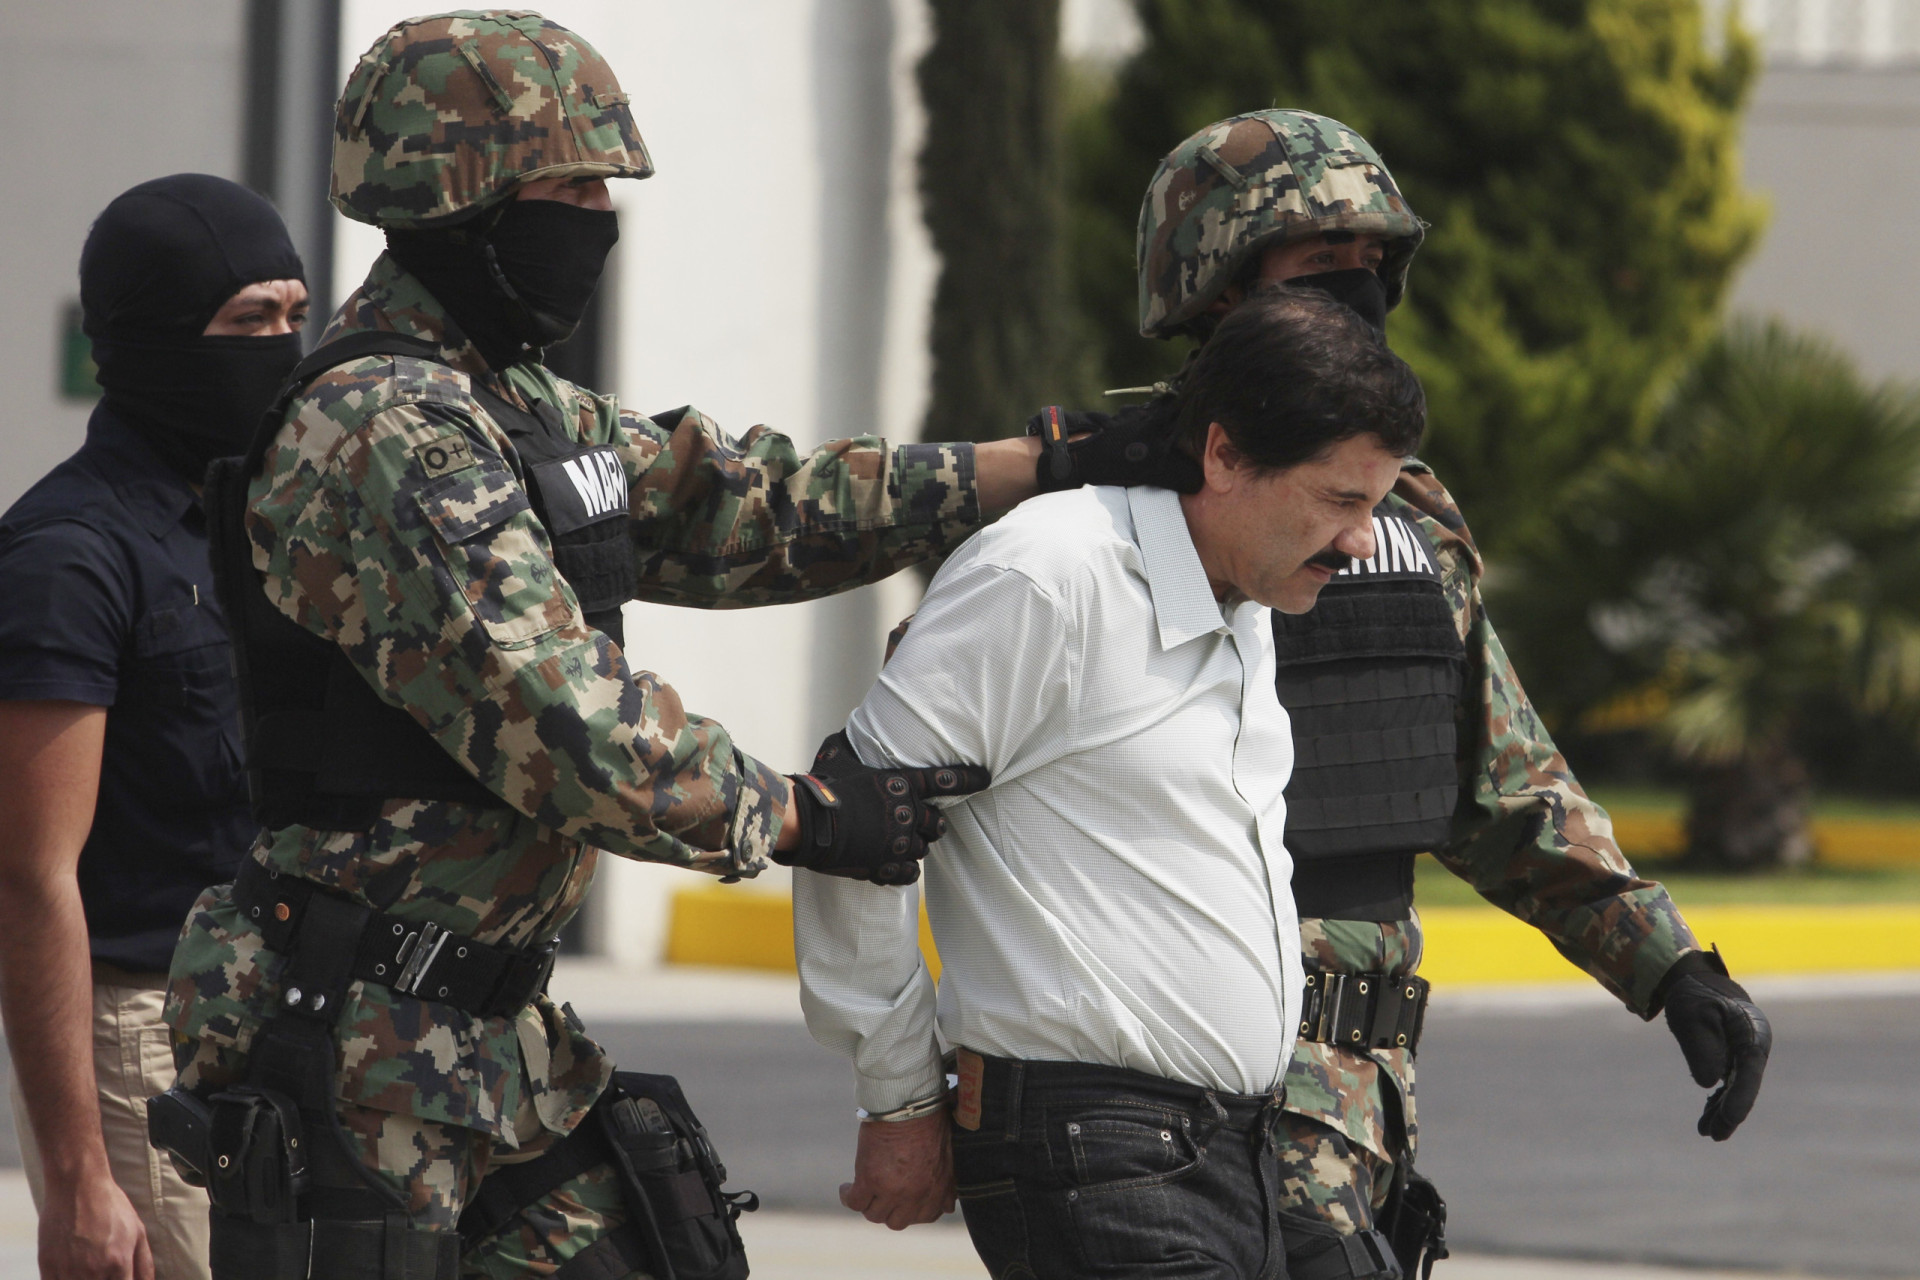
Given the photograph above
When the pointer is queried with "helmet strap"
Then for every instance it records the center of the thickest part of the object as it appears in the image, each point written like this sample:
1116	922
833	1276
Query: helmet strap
488	254
512	295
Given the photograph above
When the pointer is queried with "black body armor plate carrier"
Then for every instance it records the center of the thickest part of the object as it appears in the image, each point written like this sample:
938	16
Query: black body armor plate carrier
323	749
1372	678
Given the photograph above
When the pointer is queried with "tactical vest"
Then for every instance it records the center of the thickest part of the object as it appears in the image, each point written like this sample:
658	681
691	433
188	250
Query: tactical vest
324	750
1372	678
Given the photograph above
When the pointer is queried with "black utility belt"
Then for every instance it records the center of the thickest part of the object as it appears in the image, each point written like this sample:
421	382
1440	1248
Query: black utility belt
413	957
1364	1010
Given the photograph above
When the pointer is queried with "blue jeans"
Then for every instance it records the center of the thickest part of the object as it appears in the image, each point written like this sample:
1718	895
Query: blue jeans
1081	1171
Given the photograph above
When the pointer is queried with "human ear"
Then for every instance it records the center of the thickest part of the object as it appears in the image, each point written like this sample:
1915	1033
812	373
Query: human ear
1220	460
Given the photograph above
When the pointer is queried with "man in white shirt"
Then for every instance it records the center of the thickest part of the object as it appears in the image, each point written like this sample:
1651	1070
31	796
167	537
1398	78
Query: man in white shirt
1122	974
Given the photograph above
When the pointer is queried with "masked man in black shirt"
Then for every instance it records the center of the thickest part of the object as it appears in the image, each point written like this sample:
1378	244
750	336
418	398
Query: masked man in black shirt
120	775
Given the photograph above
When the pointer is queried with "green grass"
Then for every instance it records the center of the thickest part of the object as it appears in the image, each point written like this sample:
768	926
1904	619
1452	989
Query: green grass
1435	886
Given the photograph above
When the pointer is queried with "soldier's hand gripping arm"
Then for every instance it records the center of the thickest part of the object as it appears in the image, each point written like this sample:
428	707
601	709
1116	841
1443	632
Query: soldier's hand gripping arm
870	824
1132	445
1723	1035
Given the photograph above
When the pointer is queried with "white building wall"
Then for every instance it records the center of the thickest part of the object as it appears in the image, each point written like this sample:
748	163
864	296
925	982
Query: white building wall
131	90
1833	141
1836	151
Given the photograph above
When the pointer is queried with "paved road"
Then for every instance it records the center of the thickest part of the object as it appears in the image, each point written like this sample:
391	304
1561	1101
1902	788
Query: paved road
1562	1133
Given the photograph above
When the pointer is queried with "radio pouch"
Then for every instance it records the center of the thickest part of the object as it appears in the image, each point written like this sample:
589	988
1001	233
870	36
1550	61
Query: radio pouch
1416	1219
675	1179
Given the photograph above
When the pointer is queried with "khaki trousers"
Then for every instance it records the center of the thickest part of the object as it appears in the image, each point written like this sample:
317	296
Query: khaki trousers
132	1061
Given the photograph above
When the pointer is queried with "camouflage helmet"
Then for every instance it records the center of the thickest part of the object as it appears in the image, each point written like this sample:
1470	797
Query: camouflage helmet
1252	181
445	115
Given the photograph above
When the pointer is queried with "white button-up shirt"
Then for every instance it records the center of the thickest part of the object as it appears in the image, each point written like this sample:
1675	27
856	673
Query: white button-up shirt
1120	894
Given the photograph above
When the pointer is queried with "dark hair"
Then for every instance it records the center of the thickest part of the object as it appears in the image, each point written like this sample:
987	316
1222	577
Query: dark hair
1292	373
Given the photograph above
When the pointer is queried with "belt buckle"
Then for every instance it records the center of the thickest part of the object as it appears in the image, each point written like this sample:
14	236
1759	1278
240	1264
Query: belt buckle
548	953
417	955
1333	995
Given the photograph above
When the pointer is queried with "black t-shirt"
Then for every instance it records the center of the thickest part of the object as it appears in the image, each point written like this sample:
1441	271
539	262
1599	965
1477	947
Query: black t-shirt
106	598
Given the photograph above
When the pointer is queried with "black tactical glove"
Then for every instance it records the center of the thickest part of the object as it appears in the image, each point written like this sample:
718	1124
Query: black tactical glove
870	824
1131	446
1722	1033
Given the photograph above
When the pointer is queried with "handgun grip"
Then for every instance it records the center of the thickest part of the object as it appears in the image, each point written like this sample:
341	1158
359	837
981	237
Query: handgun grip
181	1125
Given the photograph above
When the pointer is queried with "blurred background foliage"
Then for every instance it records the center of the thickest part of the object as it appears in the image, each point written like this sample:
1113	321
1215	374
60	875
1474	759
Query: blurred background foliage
1006	335
1702	538
1578	162
1724	585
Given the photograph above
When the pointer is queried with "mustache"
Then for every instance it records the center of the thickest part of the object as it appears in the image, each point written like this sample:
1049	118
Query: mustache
1331	559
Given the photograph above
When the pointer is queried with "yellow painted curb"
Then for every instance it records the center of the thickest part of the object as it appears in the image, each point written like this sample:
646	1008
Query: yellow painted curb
1469	946
741	928
1838	842
1466	946
746	929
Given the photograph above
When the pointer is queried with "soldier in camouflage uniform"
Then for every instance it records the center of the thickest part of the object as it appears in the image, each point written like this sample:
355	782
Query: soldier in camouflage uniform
424	558
1412	732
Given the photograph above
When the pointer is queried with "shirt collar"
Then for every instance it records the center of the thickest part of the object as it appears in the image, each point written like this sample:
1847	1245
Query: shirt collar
1183	603
155	494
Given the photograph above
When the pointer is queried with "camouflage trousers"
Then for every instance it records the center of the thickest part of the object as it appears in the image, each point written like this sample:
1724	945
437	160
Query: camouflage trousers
438	1167
1327	1177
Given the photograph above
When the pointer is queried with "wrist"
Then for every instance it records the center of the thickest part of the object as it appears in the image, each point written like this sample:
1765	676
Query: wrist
1707	968
806	827
79	1167
918	1109
922	1083
790	827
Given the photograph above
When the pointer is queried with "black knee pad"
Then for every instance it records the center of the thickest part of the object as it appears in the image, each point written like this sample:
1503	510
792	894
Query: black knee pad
1315	1251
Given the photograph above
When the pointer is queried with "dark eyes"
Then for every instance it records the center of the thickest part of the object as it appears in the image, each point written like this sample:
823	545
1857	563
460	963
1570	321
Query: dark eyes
258	318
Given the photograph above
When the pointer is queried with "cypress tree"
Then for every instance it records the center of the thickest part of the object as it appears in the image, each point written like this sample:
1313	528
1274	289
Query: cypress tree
1578	161
994	195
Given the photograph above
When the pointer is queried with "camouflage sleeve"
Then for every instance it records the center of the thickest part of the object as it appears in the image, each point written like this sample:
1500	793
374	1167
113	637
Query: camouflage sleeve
407	540
1526	836
726	524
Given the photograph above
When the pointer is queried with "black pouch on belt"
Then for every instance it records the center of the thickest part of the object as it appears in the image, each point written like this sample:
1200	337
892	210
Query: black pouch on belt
674	1179
259	1163
1416	1219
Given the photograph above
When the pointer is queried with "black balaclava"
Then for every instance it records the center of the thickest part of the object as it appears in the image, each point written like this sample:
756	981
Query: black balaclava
159	263
516	280
1358	287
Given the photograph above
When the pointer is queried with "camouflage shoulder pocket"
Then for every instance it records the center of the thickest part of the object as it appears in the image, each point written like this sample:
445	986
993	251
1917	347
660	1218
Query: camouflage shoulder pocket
496	552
